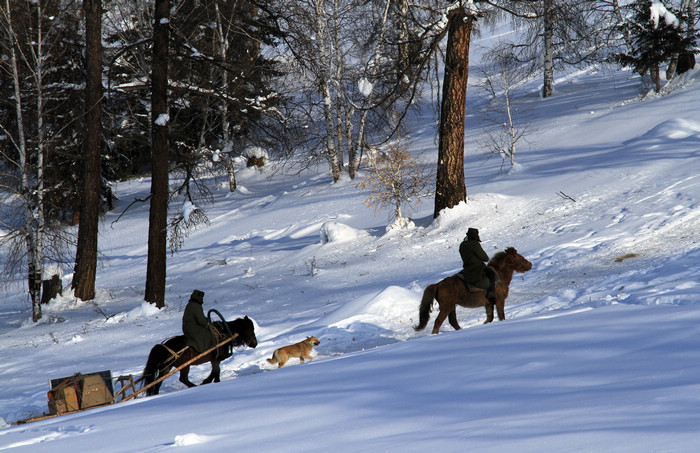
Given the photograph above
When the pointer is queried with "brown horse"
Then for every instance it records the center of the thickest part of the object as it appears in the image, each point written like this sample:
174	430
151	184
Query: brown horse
451	292
175	352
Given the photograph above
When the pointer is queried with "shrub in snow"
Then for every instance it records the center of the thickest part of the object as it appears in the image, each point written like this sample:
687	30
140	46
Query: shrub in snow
394	180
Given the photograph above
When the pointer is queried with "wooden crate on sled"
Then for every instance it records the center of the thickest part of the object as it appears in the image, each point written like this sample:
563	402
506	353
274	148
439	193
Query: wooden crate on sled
79	392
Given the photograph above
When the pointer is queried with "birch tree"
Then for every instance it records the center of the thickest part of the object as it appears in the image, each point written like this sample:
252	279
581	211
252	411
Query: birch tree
31	182
557	33
500	78
30	51
358	66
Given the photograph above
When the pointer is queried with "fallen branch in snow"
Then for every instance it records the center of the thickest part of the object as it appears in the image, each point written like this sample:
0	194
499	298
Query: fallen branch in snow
565	196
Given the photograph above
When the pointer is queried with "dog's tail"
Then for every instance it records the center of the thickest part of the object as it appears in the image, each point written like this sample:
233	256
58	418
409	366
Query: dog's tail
426	306
273	359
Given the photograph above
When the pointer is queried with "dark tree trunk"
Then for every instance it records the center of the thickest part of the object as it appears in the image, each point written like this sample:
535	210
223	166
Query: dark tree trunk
158	218
450	188
86	255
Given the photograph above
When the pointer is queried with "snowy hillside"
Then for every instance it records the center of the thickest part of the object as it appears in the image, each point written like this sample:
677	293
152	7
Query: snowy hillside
599	351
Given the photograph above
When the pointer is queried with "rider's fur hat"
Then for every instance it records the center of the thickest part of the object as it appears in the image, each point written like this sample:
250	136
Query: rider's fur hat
473	234
197	296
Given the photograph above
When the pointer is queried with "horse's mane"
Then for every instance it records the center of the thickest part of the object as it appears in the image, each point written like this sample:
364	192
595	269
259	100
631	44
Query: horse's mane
499	258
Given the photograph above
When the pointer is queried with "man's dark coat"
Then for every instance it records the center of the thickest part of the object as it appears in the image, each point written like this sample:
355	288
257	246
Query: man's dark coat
196	327
474	260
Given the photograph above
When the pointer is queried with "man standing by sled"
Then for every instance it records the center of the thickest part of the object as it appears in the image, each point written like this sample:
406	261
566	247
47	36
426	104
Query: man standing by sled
474	260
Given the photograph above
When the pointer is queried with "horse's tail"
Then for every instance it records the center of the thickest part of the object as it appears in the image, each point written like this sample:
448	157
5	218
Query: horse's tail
426	306
156	357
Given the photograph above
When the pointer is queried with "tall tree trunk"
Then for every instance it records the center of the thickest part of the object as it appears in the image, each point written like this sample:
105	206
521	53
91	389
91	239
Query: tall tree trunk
655	73
325	60
35	221
221	44
450	188
370	76
404	43
548	83
86	255
158	215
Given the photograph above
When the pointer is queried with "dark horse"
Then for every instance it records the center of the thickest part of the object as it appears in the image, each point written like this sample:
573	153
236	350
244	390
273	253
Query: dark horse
451	292
163	356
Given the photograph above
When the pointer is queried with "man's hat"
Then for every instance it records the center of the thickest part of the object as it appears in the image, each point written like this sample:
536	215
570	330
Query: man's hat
473	234
197	296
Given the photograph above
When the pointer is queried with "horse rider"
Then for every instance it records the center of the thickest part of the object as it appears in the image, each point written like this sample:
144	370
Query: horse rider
195	325
475	271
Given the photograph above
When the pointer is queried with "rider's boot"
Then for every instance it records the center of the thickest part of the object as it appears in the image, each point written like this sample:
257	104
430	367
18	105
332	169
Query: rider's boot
491	291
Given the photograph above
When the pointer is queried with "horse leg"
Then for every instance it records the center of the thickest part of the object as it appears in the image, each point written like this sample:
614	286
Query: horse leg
156	388
501	307
215	372
440	319
452	317
184	377
489	312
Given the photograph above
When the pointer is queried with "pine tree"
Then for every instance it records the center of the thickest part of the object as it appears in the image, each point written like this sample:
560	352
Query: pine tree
86	255
450	188
655	37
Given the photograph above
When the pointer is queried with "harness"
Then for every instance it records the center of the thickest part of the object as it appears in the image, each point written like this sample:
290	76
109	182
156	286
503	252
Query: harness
220	336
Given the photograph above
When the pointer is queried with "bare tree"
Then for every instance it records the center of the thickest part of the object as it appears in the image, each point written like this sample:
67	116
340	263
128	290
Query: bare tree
31	238
31	230
356	69
500	80
557	32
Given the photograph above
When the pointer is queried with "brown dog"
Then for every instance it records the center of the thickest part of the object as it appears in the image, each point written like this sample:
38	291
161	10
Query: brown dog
301	350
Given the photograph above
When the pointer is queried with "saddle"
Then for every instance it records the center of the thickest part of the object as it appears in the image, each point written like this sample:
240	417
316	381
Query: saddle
475	289
470	288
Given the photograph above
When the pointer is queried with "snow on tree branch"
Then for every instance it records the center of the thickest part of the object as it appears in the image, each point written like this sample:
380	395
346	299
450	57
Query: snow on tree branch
658	10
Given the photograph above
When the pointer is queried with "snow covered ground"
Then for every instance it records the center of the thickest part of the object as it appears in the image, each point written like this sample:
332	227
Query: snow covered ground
599	351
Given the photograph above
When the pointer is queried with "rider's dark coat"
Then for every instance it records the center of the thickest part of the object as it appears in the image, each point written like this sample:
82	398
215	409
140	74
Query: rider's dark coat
474	260
195	325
